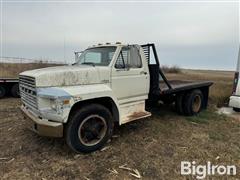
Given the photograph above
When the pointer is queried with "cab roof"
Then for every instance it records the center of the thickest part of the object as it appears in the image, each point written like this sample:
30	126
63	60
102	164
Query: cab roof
108	44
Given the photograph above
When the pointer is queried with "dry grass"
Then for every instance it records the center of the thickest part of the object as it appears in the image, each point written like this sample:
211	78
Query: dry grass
10	70
171	69
155	146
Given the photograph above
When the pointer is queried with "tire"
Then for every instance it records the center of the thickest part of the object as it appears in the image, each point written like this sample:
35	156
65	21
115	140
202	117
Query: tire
15	90
79	127
193	103
179	104
2	91
236	109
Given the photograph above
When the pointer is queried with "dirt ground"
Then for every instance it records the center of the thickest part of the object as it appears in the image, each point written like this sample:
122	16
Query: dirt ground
155	146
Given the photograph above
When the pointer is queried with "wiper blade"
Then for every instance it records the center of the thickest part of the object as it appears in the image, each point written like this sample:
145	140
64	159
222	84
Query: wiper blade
89	63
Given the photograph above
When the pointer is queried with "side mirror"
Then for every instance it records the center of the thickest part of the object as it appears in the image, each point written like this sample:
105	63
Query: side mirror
76	56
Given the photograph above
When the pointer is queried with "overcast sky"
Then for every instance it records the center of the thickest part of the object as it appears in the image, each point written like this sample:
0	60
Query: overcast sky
200	35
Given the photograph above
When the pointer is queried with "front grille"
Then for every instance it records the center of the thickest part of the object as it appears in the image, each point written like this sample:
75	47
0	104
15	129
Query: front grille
27	87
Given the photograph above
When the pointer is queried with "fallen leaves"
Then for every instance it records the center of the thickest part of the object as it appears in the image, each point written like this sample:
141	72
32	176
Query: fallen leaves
113	171
3	158
77	156
133	172
125	167
217	158
105	148
86	178
6	160
136	174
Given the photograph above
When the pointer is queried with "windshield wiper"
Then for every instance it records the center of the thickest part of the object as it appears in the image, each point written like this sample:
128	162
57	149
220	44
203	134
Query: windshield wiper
89	63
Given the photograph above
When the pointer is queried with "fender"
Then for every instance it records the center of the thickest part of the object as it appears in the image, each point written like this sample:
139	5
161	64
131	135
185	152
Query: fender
89	92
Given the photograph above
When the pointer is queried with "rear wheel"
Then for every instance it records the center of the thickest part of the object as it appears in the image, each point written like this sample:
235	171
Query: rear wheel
15	90
193	103
2	91
179	104
89	128
236	109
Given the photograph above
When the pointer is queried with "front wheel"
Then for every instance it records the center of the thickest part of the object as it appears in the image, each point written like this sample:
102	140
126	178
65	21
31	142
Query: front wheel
89	128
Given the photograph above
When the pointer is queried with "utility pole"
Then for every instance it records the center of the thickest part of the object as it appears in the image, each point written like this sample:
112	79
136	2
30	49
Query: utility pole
64	55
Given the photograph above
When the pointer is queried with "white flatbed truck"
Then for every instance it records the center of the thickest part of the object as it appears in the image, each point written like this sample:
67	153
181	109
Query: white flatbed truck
108	84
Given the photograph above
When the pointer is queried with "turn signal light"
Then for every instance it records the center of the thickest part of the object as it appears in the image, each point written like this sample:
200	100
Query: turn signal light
66	101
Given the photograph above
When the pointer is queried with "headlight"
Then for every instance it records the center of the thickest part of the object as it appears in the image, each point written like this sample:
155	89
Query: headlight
59	104
55	99
53	104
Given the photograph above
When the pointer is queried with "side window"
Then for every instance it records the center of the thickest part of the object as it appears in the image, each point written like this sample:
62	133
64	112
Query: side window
123	58
135	59
128	58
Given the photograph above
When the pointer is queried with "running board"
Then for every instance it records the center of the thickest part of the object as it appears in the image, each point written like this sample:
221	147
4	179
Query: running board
136	116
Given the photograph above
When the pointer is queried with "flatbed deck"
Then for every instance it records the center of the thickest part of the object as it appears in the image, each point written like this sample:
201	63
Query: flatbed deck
178	86
8	79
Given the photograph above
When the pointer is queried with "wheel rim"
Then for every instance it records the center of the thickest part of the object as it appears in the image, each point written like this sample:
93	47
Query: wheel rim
197	101
92	130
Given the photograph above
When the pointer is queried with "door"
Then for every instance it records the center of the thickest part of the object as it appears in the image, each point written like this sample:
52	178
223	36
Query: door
130	78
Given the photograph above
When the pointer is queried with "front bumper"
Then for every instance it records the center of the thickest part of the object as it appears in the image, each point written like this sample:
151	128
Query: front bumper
234	101
41	126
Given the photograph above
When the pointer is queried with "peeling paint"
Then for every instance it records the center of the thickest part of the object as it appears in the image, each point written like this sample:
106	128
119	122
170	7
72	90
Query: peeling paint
70	75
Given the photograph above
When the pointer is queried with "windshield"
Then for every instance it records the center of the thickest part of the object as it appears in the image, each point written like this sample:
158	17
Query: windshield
100	56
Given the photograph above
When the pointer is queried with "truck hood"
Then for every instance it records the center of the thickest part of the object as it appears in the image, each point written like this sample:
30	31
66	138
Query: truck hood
69	75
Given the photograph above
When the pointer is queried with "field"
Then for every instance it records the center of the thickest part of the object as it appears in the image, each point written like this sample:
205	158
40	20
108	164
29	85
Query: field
155	146
11	70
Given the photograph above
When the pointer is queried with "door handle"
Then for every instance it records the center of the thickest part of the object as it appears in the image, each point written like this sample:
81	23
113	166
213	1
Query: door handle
143	72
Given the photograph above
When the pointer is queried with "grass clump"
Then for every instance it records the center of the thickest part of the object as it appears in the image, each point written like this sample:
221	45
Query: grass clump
171	69
205	116
220	93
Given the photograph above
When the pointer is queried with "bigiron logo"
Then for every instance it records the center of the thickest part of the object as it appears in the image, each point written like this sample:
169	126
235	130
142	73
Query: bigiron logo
202	171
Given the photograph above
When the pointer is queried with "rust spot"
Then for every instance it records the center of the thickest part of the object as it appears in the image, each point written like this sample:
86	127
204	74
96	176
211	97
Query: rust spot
137	115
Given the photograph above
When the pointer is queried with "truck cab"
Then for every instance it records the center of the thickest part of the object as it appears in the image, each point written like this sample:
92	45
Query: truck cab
235	98
108	84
